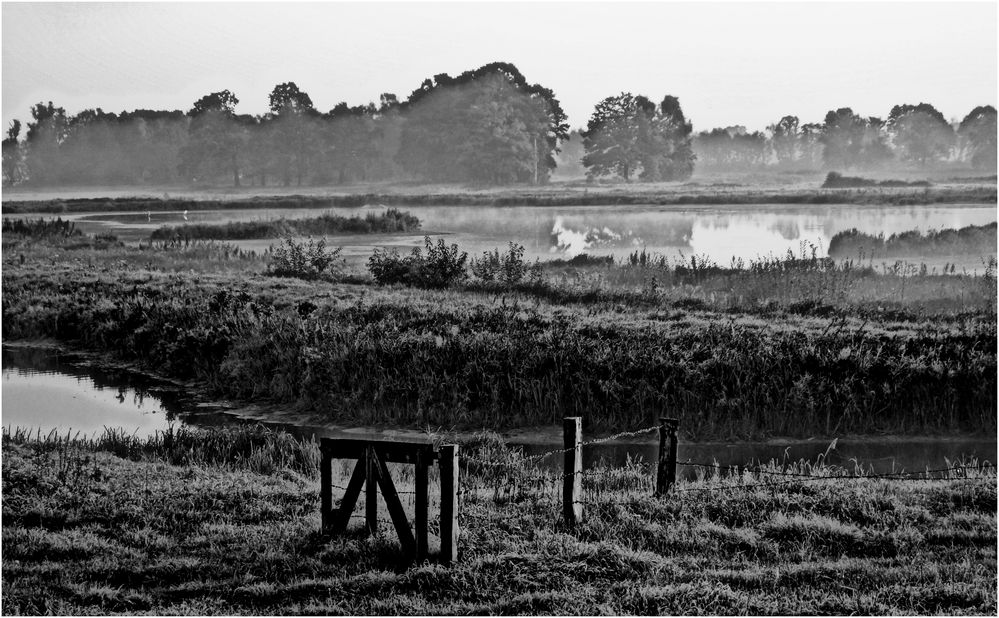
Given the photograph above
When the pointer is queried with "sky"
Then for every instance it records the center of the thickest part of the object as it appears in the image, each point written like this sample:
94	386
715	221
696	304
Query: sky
744	63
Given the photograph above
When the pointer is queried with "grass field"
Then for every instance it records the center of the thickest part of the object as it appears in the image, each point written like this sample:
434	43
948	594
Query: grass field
227	522
792	347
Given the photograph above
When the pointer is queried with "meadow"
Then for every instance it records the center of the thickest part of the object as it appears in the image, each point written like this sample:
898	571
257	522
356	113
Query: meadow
227	522
795	346
206	521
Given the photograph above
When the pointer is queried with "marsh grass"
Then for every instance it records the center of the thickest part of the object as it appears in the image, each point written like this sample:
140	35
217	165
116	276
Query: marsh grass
222	535
818	351
390	221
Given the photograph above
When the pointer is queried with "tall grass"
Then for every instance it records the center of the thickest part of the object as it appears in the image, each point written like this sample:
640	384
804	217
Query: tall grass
442	362
972	239
242	447
392	220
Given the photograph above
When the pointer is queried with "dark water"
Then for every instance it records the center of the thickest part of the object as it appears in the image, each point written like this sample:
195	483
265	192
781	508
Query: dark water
46	390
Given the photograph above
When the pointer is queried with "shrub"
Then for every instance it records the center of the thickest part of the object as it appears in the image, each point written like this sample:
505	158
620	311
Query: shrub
305	260
508	268
389	267
442	267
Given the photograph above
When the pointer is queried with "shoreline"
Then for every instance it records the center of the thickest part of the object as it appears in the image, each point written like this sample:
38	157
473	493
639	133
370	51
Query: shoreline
197	403
25	203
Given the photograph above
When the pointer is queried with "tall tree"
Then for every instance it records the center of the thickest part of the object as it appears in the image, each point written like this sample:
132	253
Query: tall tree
611	138
216	137
445	110
293	130
920	133
13	164
850	140
628	134
45	136
979	129
785	140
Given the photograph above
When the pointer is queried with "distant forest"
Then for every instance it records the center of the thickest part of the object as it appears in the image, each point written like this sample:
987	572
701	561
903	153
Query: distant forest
487	126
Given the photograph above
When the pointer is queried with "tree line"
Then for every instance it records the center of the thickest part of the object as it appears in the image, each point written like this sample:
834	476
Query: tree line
486	126
913	135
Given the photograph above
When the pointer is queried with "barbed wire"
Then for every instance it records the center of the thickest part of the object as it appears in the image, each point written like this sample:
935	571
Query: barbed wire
617	436
884	477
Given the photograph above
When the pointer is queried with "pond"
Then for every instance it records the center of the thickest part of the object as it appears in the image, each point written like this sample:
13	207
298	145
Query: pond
44	389
719	233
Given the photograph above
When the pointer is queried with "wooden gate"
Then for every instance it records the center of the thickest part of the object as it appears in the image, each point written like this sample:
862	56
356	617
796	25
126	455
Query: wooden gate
371	472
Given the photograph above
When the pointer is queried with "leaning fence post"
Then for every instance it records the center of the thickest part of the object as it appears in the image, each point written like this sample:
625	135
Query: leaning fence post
449	503
666	476
572	484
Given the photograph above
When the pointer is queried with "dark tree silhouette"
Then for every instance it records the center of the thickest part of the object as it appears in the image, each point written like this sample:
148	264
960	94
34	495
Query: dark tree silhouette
979	129
628	134
920	133
850	140
216	137
13	164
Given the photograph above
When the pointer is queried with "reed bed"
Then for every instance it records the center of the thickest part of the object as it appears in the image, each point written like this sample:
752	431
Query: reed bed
444	358
971	239
390	221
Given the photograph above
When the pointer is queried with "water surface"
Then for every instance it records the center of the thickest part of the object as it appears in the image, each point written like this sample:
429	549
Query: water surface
719	233
45	390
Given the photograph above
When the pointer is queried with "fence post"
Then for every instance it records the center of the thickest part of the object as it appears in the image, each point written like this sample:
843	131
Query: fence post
666	476
572	484
326	488
420	517
449	503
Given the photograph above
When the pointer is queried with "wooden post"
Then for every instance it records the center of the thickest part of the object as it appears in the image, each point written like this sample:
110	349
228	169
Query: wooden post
370	491
666	474
326	489
449	503
422	481
572	484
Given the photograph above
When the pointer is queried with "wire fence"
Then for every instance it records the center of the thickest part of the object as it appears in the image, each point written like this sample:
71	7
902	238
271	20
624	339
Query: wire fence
496	477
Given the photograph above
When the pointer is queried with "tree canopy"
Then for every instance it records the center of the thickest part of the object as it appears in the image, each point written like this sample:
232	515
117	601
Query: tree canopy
920	133
979	129
629	134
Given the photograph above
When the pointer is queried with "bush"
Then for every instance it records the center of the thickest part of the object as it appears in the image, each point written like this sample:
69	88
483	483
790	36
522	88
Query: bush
508	268
305	260
442	267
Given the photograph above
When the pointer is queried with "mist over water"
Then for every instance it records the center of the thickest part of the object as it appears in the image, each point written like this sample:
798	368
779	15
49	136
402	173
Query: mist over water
718	233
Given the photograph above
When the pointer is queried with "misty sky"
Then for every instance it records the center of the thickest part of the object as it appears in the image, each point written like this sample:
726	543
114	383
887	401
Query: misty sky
743	63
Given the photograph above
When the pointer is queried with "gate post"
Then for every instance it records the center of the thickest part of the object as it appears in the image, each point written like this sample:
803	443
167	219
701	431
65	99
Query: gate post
449	503
572	483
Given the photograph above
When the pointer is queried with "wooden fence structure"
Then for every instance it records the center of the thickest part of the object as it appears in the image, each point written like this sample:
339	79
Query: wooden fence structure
372	473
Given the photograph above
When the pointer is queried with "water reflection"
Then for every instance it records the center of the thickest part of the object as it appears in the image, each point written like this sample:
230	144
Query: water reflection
869	455
716	232
46	390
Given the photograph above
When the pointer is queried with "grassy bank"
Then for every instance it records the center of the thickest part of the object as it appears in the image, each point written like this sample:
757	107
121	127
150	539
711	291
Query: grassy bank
389	221
619	195
228	522
972	239
798	348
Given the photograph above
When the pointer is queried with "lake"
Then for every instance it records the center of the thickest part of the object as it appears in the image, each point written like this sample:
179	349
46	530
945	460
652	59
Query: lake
46	390
719	233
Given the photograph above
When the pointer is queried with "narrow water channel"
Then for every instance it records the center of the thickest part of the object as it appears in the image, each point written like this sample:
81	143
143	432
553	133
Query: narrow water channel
45	390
